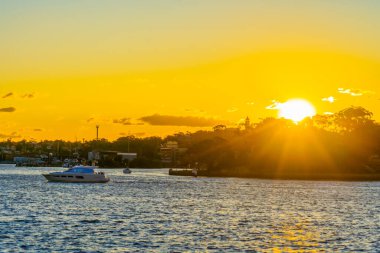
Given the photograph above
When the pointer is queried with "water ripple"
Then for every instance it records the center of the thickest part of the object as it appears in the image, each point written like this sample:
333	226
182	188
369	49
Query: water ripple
148	211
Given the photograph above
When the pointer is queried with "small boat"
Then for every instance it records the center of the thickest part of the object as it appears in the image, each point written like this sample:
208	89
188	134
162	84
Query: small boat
78	174
127	171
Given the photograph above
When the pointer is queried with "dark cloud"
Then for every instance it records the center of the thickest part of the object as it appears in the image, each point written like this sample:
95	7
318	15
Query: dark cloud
274	106
8	95
12	135
166	120
123	121
7	109
28	95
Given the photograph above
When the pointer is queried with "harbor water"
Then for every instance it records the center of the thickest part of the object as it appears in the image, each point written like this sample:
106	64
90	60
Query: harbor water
149	211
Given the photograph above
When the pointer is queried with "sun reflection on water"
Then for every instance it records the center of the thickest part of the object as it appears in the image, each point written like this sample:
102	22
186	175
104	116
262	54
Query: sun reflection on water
297	236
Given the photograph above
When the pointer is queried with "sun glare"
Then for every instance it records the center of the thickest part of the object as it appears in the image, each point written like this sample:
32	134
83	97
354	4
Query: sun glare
296	110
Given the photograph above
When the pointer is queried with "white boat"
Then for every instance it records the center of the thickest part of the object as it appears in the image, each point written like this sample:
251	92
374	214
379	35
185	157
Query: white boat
78	174
7	165
127	171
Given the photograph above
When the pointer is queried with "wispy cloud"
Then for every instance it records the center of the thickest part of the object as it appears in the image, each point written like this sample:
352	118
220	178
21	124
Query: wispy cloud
90	120
354	92
7	95
37	130
28	95
123	121
167	120
11	135
7	109
274	106
250	103
330	99
328	113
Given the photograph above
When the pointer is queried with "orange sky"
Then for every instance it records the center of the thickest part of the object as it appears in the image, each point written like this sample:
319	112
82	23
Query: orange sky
159	67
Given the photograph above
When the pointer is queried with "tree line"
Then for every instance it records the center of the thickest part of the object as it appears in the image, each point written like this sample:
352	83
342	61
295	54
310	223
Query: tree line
344	145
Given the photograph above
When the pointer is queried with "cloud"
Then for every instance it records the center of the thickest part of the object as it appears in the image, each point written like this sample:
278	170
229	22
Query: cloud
330	99
28	95
37	130
250	103
7	95
274	106
7	109
12	135
166	120
328	113
123	121
90	120
354	92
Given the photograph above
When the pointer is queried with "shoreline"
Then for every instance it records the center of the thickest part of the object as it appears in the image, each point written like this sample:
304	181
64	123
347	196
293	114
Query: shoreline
301	177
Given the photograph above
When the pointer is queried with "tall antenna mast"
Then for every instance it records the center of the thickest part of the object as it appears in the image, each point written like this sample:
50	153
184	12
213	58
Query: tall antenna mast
97	132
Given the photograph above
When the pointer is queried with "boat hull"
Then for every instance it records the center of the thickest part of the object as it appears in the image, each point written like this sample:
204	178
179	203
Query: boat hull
76	178
7	165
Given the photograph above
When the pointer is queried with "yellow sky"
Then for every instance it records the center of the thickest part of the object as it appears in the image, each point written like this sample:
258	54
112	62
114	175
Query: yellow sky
69	65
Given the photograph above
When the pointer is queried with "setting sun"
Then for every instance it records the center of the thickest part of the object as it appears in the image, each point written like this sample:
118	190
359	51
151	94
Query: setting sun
296	110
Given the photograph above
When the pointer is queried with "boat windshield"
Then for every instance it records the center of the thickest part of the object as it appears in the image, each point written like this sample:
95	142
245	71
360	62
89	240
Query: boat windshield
80	169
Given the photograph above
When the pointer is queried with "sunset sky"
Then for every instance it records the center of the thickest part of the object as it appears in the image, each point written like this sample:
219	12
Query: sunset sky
159	67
